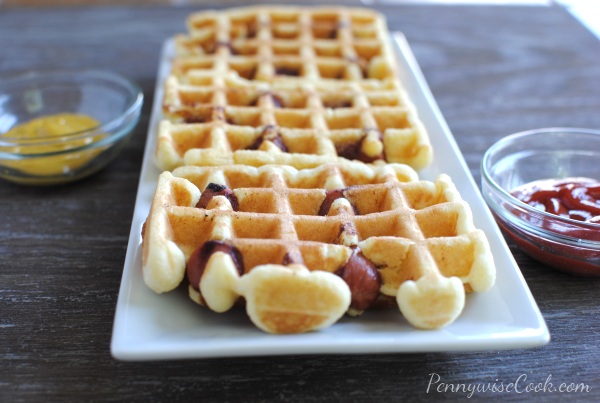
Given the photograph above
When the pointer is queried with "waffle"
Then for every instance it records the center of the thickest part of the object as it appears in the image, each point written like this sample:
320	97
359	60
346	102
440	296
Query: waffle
303	246
289	149
287	85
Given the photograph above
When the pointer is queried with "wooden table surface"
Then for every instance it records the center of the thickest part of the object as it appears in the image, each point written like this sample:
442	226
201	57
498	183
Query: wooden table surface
493	70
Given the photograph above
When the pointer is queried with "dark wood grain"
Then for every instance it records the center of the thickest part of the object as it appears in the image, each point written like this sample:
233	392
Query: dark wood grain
493	71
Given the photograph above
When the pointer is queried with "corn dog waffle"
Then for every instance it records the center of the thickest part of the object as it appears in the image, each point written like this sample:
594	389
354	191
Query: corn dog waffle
287	85
261	204
304	246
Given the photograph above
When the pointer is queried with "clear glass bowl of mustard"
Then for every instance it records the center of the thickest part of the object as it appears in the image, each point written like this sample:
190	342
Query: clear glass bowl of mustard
61	126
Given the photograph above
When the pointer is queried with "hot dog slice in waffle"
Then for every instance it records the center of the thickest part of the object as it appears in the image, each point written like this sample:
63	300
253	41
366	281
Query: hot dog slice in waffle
293	86
376	228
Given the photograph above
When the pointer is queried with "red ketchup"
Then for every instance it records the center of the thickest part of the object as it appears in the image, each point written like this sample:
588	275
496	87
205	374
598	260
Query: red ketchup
574	198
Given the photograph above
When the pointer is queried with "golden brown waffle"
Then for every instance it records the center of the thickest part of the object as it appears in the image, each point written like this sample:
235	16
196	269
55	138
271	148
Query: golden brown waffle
263	110
303	246
287	85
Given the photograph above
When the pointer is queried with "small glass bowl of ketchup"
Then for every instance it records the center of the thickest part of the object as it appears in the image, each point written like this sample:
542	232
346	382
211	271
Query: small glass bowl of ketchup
61	126
543	187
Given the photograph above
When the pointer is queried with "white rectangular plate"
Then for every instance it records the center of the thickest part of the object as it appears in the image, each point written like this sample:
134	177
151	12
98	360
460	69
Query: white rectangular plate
150	326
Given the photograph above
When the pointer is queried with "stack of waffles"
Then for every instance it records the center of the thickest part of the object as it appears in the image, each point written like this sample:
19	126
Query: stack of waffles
289	151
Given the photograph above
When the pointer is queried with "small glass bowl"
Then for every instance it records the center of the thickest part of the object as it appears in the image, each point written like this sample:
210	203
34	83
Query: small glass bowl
113	101
553	153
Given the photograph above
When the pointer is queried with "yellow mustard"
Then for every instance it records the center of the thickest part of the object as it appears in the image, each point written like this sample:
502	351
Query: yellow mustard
41	136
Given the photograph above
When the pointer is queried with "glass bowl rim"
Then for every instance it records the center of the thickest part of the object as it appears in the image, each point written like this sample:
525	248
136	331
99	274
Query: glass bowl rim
66	75
508	198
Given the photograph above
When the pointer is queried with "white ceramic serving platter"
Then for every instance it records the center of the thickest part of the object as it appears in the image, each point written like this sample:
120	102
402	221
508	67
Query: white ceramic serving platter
150	326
